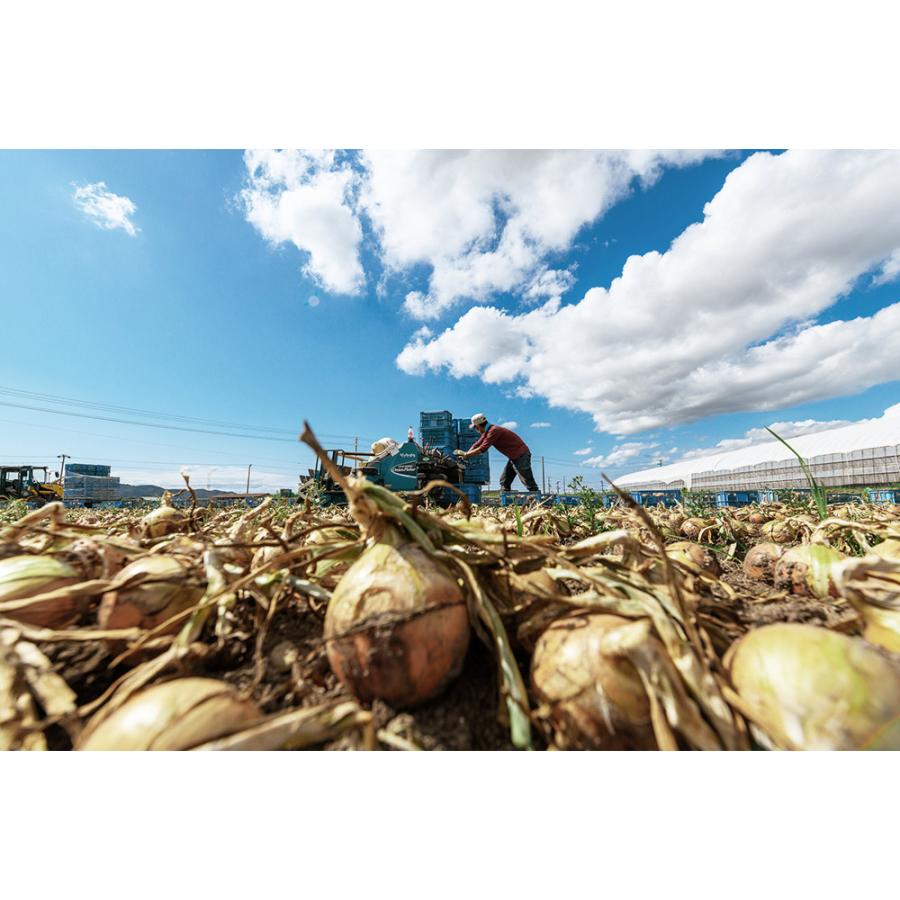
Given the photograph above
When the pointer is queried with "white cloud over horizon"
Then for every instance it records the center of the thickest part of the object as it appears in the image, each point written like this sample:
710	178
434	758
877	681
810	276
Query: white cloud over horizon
484	221
225	478
541	425
620	454
105	209
760	435
724	320
479	221
306	198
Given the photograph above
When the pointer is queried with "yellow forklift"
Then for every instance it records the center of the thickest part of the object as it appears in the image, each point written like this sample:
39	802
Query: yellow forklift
25	483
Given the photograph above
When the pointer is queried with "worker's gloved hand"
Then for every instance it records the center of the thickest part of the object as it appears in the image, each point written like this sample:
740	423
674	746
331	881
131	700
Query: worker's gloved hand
459	452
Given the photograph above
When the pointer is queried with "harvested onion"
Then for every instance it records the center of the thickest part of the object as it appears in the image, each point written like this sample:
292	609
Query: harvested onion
695	556
596	700
27	576
175	715
806	570
167	590
760	561
163	520
809	688
872	585
397	628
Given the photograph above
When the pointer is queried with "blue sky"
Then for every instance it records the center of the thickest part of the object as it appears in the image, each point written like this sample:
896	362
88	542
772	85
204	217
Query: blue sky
356	290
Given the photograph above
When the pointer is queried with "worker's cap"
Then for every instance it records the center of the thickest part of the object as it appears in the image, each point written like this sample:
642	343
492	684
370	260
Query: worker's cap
478	419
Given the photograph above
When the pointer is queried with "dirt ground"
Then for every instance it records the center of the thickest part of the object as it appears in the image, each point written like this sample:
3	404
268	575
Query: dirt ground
290	668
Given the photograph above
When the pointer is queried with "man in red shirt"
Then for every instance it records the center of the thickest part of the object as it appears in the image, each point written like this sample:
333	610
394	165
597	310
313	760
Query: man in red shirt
510	445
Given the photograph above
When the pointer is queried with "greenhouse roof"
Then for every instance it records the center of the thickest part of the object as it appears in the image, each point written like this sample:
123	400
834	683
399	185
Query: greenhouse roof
867	434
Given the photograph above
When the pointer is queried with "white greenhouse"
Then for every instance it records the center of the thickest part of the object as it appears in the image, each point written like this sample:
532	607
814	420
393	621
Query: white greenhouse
865	453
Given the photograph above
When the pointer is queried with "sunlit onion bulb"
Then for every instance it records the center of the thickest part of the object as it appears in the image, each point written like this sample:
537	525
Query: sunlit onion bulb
168	590
596	701
809	688
22	577
397	628
175	715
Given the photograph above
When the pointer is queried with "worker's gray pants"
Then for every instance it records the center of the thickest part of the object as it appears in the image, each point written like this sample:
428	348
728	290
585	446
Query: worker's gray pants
522	467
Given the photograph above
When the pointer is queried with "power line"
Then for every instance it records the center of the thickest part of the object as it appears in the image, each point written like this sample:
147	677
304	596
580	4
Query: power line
267	432
252	437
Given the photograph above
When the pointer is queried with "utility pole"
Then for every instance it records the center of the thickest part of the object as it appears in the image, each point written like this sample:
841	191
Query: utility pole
62	468
543	478
557	487
564	485
247	493
356	445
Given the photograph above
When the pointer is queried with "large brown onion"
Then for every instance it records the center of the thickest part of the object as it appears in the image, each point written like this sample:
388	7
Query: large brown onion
692	528
175	715
809	688
760	561
805	570
596	701
167	590
695	555
397	628
22	577
163	520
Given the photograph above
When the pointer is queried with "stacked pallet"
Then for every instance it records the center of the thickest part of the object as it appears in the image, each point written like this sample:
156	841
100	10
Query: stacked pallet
84	481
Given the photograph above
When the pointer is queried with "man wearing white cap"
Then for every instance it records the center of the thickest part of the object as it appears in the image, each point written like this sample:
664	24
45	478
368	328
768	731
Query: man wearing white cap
510	445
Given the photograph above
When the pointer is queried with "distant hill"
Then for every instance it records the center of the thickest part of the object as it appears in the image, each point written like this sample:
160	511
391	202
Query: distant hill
154	490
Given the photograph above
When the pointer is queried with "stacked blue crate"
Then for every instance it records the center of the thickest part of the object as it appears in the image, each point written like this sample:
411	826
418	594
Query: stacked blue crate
478	468
88	469
736	498
442	419
472	491
519	498
438	438
654	498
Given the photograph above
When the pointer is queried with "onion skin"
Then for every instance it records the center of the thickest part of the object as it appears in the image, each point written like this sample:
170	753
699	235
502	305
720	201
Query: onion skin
695	555
597	701
872	585
27	576
691	528
175	715
163	520
809	688
148	604
397	627
779	531
760	561
805	570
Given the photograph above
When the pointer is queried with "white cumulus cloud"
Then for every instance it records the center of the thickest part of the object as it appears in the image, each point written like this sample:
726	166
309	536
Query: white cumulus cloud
484	221
584	451
620	454
890	270
540	425
510	424
104	208
722	321
761	436
307	198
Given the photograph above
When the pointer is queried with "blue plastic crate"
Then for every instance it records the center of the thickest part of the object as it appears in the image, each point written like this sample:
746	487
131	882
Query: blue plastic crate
655	498
736	498
472	491
519	498
90	469
565	499
441	419
885	496
438	437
